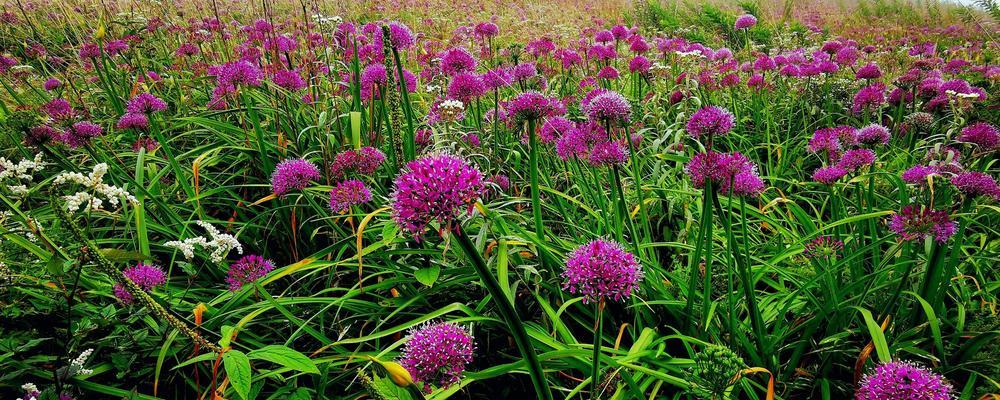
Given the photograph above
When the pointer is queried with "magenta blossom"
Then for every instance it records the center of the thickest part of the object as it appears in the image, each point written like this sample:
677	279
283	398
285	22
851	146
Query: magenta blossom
293	174
437	353
602	270
434	188
246	270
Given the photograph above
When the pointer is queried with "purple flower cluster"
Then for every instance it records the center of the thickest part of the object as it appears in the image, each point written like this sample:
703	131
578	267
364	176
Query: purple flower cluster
601	270
531	105
139	122
437	353
348	193
825	247
733	173
246	270
146	276
745	21
289	80
608	153
293	174
610	107
974	184
466	86
869	98
917	222
457	59
710	121
145	103
400	35
80	133
363	161
854	159
901	380
873	134
981	134
434	188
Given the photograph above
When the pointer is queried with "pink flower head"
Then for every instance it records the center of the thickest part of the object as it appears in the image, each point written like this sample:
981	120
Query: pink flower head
146	276
710	121
901	380
829	175
601	270
916	222
348	193
981	134
293	174
974	184
434	188
437	353
609	106
745	21
145	103
247	270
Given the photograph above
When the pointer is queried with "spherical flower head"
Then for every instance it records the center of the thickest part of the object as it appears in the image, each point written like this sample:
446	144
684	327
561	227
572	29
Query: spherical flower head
145	103
348	193
434	188
981	134
975	184
710	121
610	107
869	71
486	29
373	79
825	139
824	247
901	380
530	105
869	98
466	86
601	270
58	109
457	59
854	159
52	84
705	167
572	144
42	134
916	222
400	35
873	134
138	122
554	128
744	184
81	133
609	73
745	21
437	353
829	175
604	37
293	174
640	65
247	270
289	80
145	276
608	153
523	71
497	78
918	174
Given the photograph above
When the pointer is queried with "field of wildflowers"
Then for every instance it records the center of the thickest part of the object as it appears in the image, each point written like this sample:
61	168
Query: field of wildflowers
556	199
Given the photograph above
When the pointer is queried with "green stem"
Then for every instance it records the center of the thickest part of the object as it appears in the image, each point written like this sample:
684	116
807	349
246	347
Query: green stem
595	371
536	206
510	317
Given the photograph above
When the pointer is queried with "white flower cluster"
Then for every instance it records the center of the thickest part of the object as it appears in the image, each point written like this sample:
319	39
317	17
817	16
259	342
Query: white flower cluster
325	20
76	366
450	110
20	173
95	183
220	243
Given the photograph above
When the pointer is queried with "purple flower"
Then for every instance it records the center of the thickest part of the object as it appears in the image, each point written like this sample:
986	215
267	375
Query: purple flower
829	175
710	121
554	128
902	380
523	71
610	107
917	175
90	50
487	29
364	161
81	133
608	72
145	276
52	84
572	144
434	188
58	109
608	153
231	75
981	134
138	122
856	158
869	71
640	65
247	270
974	184
457	59
466	86
530	105
916	222
293	174
869	98
400	35
145	103
497	78
290	80
604	37
873	134
42	134
437	353
825	139
373	79
348	193
187	49
745	21
601	270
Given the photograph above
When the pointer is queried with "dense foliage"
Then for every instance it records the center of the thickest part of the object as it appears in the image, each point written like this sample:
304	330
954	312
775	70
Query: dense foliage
407	200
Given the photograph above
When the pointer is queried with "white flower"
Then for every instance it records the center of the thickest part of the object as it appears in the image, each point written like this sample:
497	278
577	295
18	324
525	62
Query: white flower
94	181
20	174
77	364
29	388
220	243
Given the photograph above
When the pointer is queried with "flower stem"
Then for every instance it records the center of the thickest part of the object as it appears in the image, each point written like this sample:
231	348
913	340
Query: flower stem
536	206
595	373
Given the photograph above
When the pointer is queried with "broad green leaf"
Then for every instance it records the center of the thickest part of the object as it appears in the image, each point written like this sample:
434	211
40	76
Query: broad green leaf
238	370
285	357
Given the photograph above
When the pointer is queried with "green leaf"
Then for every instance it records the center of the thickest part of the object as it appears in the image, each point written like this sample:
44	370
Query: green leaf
238	370
55	264
285	357
881	346
427	276
227	336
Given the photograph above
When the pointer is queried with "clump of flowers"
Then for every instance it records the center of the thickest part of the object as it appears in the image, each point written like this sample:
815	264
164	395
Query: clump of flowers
17	177
601	270
247	270
902	380
745	21
530	105
610	107
916	222
437	353
434	188
293	174
854	159
873	134
348	193
829	175
733	173
145	276
363	161
220	243
823	247
984	135
94	185
974	184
